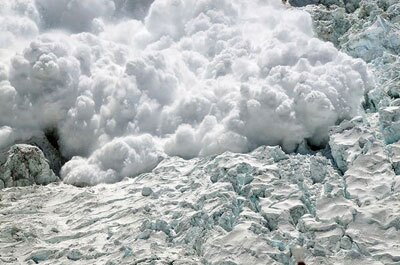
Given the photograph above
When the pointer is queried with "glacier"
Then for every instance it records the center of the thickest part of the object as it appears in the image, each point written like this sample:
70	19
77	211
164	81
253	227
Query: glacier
175	184
226	209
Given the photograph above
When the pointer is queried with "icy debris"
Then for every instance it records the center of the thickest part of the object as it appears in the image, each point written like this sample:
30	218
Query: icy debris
299	3
41	255
348	140
25	165
330	24
371	43
345	243
367	29
319	168
146	191
74	255
394	154
389	119
388	89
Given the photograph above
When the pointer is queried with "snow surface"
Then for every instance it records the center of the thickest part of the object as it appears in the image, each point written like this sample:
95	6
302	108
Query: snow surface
226	209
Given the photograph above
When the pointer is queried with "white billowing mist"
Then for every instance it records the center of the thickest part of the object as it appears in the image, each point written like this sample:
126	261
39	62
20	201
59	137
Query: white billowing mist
126	84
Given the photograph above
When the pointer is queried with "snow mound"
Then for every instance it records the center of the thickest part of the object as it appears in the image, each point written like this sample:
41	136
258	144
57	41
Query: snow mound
25	165
389	118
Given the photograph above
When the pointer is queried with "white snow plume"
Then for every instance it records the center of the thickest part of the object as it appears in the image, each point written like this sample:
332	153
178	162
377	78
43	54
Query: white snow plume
19	21
192	78
74	15
5	136
121	157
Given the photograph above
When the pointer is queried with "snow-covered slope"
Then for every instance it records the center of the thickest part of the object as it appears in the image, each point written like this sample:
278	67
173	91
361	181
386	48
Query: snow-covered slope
227	209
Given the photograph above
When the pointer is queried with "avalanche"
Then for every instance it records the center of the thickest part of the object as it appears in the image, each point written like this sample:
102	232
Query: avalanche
192	78
199	132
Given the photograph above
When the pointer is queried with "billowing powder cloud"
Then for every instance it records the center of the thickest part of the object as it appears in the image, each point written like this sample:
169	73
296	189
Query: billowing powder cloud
126	84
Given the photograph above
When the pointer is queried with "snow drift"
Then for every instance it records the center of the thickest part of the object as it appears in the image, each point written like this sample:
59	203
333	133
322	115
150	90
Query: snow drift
124	85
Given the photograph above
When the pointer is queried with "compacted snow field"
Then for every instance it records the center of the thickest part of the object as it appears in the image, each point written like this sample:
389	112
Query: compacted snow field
199	132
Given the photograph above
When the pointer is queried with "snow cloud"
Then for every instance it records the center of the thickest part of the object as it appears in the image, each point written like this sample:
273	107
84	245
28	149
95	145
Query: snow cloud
126	84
